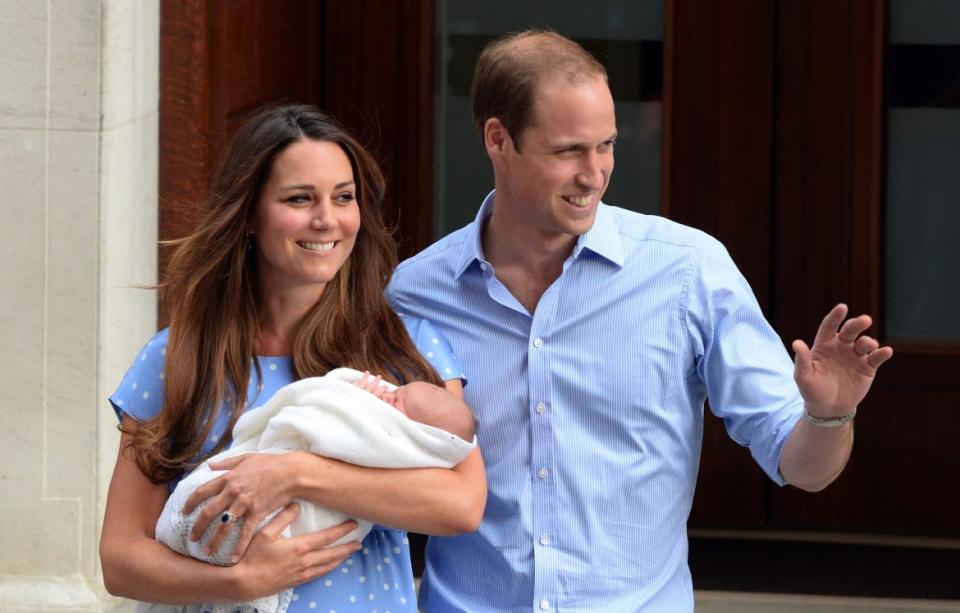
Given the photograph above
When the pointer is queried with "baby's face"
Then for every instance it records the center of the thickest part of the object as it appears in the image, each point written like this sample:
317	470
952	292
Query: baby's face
413	399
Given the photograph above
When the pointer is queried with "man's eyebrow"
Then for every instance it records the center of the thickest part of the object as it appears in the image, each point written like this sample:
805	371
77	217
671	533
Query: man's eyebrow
576	144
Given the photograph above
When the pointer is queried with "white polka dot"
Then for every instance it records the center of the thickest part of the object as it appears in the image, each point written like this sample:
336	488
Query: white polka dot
396	585
345	570
372	597
447	370
120	403
163	351
429	354
366	551
146	395
295	597
386	560
386	587
214	438
273	367
353	599
396	550
333	611
362	579
435	341
313	604
135	385
379	568
328	583
161	376
403	600
349	561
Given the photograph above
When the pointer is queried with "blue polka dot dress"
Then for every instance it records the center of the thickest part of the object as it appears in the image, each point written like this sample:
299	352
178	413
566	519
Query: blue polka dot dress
378	578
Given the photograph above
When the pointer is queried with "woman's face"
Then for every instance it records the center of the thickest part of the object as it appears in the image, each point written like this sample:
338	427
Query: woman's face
307	218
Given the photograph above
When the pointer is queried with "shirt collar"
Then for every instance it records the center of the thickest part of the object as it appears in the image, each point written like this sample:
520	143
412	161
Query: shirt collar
472	249
603	238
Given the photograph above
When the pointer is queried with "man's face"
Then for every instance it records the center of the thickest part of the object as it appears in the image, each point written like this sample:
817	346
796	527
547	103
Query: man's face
552	186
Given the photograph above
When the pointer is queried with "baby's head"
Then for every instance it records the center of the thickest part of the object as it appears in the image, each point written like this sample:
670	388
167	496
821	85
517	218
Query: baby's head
420	401
425	403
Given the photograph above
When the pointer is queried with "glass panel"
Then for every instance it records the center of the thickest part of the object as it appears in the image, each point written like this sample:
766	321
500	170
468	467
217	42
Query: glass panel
923	171
625	35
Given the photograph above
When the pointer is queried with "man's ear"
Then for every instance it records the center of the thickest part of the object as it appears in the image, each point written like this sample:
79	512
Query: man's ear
495	137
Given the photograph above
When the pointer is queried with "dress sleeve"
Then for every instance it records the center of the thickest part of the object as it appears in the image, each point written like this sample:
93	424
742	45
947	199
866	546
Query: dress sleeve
140	393
434	346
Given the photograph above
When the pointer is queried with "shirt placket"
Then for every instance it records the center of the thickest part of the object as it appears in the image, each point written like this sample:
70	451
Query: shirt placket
546	538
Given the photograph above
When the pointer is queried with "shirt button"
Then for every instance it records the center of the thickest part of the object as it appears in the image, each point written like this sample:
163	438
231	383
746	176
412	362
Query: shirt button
541	407
538	343
543	473
544	540
544	604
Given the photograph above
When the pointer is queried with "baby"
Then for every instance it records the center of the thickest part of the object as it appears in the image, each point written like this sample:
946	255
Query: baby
424	403
344	415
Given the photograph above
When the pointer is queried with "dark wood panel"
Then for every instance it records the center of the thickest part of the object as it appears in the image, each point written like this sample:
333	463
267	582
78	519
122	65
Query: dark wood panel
718	145
262	53
184	157
829	206
814	204
378	79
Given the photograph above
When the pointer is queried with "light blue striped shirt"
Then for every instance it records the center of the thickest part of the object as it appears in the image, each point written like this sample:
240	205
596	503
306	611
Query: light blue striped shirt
590	411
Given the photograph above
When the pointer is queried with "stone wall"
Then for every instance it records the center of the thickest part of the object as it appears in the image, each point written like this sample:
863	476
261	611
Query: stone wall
78	229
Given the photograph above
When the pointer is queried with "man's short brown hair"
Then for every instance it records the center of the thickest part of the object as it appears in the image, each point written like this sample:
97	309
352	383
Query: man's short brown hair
509	69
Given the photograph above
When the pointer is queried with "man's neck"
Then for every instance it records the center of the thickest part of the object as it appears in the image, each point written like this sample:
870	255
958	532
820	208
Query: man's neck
525	261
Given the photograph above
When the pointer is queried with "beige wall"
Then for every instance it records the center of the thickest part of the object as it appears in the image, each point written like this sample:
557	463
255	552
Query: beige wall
78	227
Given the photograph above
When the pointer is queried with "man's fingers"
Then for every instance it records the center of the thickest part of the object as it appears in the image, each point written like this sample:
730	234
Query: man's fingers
879	356
282	519
854	327
801	357
865	344
830	324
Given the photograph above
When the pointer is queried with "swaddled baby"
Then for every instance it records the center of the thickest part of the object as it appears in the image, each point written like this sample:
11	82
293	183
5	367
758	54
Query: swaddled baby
344	415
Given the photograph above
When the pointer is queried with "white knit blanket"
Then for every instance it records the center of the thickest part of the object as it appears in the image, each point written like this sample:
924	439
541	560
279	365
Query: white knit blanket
325	415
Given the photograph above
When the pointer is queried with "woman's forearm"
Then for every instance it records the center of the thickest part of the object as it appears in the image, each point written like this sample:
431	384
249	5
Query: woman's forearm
426	500
146	570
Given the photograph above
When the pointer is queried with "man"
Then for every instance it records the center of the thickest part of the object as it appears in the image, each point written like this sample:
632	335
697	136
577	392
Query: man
591	337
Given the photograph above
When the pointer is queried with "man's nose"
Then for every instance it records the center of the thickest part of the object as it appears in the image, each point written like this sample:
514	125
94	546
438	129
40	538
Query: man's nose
591	172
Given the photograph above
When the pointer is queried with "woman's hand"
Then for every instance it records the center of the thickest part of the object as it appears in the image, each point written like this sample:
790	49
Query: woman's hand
255	485
274	563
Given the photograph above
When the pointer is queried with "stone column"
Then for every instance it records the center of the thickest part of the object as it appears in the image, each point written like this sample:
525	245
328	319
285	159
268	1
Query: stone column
78	229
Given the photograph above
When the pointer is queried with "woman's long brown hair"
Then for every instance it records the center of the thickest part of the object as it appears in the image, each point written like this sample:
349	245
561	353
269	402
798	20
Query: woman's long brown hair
210	290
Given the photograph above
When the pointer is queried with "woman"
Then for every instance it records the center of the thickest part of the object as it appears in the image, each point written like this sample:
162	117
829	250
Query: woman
282	280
